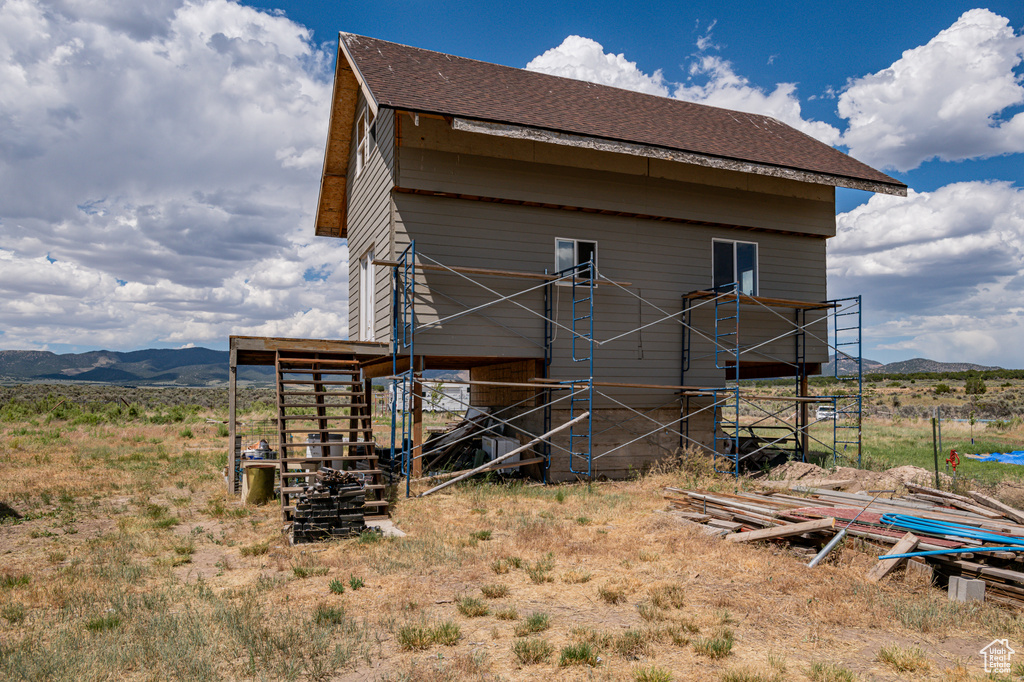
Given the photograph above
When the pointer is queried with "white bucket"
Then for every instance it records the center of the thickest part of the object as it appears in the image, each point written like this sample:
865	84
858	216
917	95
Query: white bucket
332	450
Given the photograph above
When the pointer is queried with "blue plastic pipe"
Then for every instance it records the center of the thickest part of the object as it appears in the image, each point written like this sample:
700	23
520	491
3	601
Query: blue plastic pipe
946	528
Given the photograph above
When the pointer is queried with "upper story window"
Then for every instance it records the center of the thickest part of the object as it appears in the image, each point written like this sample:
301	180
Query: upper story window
572	252
734	262
364	139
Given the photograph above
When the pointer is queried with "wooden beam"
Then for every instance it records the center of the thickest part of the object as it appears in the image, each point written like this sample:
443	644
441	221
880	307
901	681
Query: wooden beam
762	300
783	531
991	503
232	428
908	543
490	272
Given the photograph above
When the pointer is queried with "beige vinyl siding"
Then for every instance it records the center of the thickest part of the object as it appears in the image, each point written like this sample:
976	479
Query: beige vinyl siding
369	222
436	134
661	260
437	171
436	158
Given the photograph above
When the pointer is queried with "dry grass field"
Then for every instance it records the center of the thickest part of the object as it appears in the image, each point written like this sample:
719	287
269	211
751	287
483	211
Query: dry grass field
122	558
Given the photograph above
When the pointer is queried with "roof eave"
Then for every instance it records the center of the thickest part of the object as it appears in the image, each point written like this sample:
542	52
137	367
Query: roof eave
650	151
331	206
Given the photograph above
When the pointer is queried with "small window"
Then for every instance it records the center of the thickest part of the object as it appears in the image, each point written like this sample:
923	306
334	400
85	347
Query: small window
572	252
734	263
365	139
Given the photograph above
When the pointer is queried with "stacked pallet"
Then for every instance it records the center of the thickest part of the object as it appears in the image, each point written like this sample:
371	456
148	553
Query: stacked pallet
332	507
808	517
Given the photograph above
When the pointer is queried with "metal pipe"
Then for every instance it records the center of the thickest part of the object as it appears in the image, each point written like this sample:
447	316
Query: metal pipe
841	534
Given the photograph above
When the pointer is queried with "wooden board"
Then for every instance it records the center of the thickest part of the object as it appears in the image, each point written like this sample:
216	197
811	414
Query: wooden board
886	566
991	503
782	531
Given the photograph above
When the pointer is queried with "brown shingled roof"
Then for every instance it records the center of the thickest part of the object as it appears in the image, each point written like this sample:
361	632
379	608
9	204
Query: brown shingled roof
403	77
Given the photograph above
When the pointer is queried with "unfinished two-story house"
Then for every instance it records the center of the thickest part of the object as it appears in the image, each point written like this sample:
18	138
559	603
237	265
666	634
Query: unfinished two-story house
578	248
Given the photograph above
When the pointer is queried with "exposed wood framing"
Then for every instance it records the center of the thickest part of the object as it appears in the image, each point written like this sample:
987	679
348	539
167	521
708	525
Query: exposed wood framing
333	202
647	151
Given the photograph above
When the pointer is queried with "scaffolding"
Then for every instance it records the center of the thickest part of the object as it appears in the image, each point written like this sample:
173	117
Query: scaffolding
745	424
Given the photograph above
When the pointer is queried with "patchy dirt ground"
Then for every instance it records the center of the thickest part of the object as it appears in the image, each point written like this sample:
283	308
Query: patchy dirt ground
132	563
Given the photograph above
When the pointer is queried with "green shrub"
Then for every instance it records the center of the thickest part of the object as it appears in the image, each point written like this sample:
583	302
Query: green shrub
531	651
535	622
336	586
446	633
494	591
716	647
974	385
829	672
412	637
13	613
328	615
255	549
581	653
355	583
101	623
942	388
651	674
301	571
471	607
632	644
9	580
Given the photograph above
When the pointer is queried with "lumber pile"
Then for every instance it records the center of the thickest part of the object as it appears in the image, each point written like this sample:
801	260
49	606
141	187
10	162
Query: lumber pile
332	507
806	518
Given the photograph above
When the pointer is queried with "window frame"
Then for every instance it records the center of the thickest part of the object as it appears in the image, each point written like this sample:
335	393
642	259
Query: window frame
367	296
576	255
365	139
735	264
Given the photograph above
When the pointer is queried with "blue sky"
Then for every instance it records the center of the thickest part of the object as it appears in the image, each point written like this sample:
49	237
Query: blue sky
159	160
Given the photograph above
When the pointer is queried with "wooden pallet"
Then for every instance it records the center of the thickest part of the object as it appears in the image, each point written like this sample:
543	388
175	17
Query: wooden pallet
324	394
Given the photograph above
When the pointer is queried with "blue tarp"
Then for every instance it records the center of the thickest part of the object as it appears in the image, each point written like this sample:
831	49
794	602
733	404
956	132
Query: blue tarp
1015	457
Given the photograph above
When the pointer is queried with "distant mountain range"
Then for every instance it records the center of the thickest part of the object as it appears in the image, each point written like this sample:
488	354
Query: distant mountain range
177	367
153	367
911	366
205	367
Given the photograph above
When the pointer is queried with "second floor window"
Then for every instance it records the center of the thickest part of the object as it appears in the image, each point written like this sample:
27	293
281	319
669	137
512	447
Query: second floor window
364	139
572	252
734	263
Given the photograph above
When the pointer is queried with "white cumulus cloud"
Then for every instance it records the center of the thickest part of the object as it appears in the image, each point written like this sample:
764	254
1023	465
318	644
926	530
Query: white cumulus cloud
715	83
947	99
585	60
723	87
941	272
158	173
